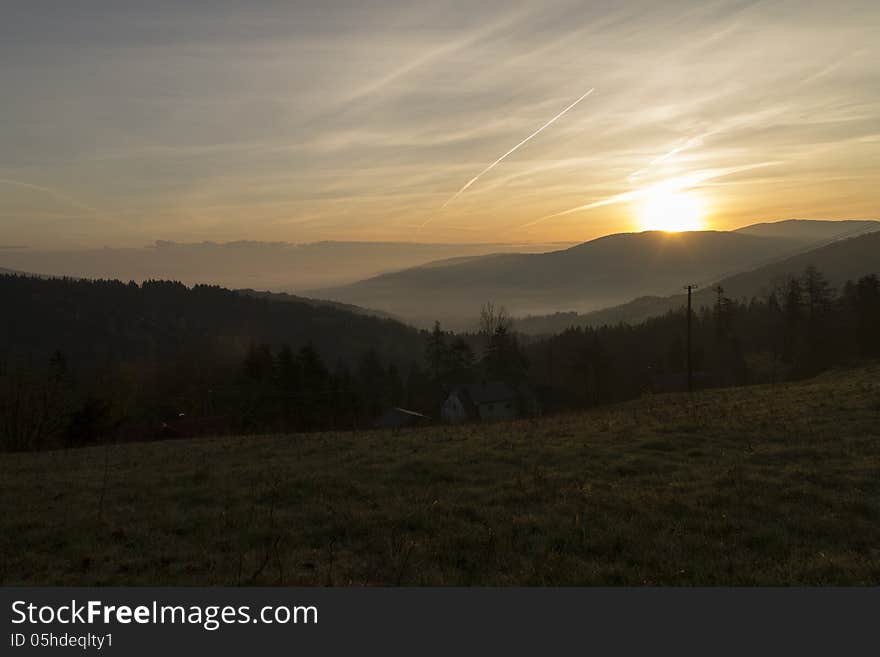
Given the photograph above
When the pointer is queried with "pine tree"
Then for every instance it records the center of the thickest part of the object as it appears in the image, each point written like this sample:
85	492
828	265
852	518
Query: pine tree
461	356
792	309
435	351
819	299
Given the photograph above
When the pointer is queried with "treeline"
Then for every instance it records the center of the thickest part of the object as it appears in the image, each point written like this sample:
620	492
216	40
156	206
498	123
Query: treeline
295	391
92	361
493	354
184	387
270	390
802	328
86	362
96	323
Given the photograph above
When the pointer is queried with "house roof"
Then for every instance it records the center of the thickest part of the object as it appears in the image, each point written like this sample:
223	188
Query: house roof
487	393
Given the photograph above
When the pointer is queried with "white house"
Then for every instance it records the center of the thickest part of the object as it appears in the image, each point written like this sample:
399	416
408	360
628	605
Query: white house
481	401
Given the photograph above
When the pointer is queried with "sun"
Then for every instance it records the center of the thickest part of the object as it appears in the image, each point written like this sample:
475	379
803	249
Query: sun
671	210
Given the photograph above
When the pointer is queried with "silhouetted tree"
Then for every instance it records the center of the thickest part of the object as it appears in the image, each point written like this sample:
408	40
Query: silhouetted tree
503	359
435	351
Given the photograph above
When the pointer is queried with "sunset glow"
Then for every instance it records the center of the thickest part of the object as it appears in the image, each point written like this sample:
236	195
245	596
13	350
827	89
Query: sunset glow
348	294
671	210
443	122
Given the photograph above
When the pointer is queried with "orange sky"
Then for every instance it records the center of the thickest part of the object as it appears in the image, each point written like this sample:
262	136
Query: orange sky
360	120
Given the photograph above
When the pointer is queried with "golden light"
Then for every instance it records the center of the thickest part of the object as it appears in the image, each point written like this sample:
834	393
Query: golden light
670	209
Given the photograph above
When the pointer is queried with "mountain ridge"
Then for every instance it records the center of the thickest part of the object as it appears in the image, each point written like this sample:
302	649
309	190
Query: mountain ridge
602	272
840	260
274	266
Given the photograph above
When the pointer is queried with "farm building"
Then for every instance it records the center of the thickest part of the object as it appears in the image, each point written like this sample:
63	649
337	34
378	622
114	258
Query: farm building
486	401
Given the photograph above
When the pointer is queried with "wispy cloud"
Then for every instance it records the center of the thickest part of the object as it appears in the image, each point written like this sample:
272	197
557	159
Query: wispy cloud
362	119
59	196
688	181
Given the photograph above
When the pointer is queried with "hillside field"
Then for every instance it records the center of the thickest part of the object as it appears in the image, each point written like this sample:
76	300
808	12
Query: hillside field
770	485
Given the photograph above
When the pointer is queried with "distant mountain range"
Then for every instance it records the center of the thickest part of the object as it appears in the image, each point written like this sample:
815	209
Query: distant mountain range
840	261
276	266
622	277
811	231
292	298
598	274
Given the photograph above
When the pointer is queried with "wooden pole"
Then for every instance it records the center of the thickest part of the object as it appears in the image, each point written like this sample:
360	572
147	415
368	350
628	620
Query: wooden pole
689	353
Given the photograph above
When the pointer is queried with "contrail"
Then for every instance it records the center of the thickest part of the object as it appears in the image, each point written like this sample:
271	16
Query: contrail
693	141
57	195
512	150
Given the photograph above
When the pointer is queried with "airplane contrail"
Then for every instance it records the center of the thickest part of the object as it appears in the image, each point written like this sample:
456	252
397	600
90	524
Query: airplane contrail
55	194
693	141
512	150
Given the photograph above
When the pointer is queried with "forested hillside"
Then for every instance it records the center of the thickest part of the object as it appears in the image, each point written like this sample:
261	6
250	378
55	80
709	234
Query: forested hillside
93	322
798	329
84	361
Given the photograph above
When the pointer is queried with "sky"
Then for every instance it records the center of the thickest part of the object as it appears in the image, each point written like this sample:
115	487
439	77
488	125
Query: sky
127	122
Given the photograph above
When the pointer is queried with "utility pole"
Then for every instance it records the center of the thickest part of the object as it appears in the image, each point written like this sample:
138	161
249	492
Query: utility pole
719	311
690	364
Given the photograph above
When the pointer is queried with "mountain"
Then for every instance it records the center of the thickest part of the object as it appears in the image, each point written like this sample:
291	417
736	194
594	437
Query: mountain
292	298
277	266
839	261
811	231
593	275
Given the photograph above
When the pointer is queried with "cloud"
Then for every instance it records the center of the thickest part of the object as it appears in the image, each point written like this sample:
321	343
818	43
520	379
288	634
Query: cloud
680	183
301	122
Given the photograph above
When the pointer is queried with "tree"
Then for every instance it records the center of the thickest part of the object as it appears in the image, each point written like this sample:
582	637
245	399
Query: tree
461	356
88	422
723	314
792	310
863	301
494	320
372	380
394	389
315	390
34	405
819	300
817	291
435	351
503	359
289	383
345	397
259	364
288	370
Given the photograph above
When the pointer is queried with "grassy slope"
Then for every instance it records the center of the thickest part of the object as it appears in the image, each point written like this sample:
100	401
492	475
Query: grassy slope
760	485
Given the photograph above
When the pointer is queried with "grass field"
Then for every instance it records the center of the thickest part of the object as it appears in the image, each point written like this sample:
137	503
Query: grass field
760	485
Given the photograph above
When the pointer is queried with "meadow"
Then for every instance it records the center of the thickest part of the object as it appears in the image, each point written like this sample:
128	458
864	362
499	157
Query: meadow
760	485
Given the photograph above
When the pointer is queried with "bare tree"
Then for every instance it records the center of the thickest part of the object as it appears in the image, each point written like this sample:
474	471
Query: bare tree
494	319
